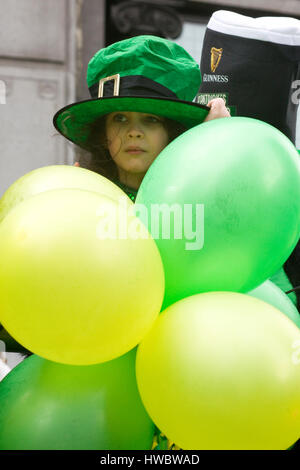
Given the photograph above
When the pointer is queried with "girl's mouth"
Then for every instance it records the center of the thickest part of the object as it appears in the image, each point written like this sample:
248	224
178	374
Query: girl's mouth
134	150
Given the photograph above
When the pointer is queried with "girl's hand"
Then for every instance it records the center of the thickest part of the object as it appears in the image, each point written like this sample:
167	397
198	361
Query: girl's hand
217	109
76	164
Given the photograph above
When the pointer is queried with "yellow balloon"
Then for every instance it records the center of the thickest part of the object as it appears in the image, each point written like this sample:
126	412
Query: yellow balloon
81	280
221	370
57	177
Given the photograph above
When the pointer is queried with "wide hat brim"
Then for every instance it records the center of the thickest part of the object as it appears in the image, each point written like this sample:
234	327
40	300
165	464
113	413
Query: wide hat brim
74	121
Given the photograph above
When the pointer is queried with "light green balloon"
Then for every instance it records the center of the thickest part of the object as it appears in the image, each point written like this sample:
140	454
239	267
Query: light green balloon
246	175
50	406
68	291
56	177
220	371
271	294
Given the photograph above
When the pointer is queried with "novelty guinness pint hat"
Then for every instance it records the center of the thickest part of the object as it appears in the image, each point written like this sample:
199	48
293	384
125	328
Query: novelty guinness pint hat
145	74
254	64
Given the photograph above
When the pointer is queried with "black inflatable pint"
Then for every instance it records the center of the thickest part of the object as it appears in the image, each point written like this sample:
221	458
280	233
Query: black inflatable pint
254	64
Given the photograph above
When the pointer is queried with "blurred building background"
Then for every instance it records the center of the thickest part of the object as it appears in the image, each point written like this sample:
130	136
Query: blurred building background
45	46
38	68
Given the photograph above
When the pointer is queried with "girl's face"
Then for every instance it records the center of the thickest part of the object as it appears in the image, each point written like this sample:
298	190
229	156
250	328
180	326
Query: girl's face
134	140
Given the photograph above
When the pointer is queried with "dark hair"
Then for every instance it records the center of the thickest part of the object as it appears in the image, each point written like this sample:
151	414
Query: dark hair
100	160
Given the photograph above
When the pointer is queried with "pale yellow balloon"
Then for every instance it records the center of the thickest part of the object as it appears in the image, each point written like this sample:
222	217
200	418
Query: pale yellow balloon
81	280
221	370
57	177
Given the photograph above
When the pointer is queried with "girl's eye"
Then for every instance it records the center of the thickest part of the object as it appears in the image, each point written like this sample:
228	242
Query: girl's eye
153	119
119	117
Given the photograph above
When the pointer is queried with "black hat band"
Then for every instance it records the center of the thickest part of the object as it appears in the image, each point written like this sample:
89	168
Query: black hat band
133	85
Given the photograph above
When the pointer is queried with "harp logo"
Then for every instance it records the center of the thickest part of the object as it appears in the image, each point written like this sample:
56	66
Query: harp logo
215	57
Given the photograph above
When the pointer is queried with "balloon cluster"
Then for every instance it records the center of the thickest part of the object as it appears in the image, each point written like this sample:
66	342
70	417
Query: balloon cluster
80	298
84	274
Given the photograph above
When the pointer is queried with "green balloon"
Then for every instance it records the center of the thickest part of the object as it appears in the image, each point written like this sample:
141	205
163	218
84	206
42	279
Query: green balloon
49	406
231	187
273	295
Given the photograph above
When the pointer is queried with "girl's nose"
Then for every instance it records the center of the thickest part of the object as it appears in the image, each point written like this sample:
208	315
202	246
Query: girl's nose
135	131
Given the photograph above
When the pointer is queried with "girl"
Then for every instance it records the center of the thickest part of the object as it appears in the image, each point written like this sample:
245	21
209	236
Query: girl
142	90
150	104
120	154
131	143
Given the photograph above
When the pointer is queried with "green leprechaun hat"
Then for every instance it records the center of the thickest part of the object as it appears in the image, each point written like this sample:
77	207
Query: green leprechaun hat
143	74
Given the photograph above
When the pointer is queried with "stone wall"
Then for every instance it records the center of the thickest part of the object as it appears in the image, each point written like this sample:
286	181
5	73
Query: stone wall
37	77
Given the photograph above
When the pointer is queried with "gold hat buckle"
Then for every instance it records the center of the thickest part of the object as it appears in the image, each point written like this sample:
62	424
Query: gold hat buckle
115	78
